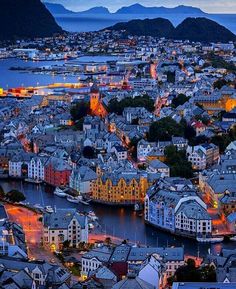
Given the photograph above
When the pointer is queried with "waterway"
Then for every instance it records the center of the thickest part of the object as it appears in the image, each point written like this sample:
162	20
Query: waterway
121	222
13	78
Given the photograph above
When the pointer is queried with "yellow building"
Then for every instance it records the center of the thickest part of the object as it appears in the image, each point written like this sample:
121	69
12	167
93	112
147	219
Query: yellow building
218	101
121	188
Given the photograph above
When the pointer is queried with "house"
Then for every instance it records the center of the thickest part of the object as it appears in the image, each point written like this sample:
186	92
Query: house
143	148
43	274
132	282
120	152
94	259
104	276
151	270
156	166
64	225
81	179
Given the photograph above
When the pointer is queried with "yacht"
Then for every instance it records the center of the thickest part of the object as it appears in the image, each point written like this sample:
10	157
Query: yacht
60	192
49	209
74	199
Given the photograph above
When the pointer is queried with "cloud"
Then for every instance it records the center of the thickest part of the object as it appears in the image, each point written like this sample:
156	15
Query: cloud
211	6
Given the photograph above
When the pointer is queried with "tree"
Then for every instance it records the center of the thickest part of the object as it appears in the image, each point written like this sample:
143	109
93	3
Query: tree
140	101
2	193
164	129
179	100
191	273
219	83
15	196
66	244
79	110
178	163
89	152
133	146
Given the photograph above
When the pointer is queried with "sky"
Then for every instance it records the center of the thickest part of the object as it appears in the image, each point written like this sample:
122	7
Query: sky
210	6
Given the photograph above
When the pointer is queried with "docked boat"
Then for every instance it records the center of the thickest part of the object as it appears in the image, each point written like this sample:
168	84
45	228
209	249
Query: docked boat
38	206
233	238
49	209
92	216
210	240
74	199
84	202
34	181
60	192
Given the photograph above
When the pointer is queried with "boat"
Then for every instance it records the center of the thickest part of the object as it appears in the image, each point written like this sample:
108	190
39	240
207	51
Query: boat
60	192
84	202
38	206
74	199
233	238
210	240
49	209
34	181
92	216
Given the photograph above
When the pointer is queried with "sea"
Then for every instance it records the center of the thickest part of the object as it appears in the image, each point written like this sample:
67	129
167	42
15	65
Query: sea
94	22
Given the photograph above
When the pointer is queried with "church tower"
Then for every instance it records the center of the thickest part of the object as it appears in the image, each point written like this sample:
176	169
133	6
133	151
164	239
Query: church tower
94	98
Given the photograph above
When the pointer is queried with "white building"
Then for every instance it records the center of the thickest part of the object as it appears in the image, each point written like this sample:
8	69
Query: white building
81	179
64	225
36	168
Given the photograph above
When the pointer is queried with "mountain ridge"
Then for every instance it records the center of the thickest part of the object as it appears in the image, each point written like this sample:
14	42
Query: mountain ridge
26	19
131	9
194	29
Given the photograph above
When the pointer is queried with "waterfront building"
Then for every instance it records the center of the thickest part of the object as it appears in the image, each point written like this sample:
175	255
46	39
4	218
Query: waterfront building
36	168
122	187
57	172
177	209
81	180
64	225
19	165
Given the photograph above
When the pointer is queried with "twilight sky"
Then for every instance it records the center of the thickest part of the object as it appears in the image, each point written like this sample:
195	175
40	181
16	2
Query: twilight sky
211	6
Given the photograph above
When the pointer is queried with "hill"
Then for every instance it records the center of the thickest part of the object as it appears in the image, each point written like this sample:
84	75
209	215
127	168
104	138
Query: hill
193	29
96	10
57	8
202	29
140	9
157	27
26	19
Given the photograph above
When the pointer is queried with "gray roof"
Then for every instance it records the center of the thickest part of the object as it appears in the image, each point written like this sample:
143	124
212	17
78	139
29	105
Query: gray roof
62	218
168	254
205	285
133	283
193	210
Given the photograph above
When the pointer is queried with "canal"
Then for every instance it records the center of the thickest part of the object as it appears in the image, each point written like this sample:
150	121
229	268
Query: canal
123	223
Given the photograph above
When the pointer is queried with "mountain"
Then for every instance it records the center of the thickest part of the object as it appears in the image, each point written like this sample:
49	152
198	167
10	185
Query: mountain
193	29
26	19
140	9
203	29
158	27
57	8
95	10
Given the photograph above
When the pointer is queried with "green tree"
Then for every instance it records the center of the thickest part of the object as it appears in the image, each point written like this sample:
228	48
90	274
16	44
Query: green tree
140	101
2	193
164	129
89	152
179	100
15	196
79	110
66	244
178	163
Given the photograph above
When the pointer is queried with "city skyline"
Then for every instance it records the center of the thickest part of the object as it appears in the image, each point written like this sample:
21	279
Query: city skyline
216	6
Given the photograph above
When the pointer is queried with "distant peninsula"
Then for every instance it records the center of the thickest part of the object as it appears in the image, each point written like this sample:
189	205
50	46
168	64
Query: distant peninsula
194	29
